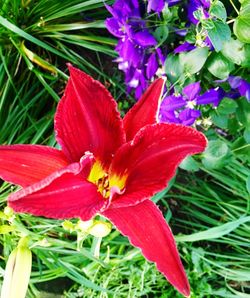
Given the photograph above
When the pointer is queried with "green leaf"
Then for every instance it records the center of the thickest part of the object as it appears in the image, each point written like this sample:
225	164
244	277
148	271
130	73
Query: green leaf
241	148
219	66
219	120
234	50
4	229
246	62
242	23
246	135
189	164
207	24
194	60
248	184
219	34
4	22
215	232
161	34
218	10
173	68
216	154
227	106
243	112
233	125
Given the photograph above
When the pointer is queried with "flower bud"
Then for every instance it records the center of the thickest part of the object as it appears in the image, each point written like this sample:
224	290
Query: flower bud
17	271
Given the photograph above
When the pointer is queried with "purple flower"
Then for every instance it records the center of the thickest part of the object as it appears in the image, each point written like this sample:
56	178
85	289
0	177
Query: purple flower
241	85
182	108
155	5
138	58
144	38
201	40
194	5
152	65
135	79
158	5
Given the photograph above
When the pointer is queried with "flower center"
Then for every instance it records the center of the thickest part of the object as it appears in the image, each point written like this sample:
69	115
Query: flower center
103	186
104	181
191	104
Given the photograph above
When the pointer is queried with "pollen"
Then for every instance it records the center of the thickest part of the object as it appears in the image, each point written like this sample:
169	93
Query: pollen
105	181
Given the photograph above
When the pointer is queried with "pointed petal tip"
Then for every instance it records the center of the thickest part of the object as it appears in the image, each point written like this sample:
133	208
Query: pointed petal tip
69	65
86	108
73	70
146	110
185	291
154	237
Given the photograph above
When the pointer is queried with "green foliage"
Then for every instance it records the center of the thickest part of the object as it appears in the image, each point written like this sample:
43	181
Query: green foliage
193	61
218	32
235	51
173	68
213	207
242	23
161	34
216	155
218	10
219	66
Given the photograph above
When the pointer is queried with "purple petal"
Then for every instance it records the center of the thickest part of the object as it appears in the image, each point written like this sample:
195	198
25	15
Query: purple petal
207	42
195	5
155	5
144	39
173	2
186	46
112	10
152	65
233	94
113	27
161	57
171	103
169	117
234	82
212	96
129	52
188	116
181	32
192	7
191	91
244	89
205	3
139	91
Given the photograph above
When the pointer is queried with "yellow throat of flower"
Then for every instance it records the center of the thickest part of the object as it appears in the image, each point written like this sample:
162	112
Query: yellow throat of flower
105	181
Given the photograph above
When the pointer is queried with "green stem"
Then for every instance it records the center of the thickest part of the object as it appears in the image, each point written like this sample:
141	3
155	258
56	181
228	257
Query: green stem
235	8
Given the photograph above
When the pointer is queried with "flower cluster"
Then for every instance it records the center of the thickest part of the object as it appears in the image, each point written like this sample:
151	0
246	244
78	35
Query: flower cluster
141	55
181	108
138	58
197	10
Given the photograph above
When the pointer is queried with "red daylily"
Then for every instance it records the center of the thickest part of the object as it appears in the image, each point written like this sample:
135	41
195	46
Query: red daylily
107	166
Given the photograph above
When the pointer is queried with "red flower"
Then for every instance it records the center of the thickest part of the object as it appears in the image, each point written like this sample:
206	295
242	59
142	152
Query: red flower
107	166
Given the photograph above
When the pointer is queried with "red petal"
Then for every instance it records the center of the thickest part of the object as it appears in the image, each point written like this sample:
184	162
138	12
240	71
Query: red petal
63	194
27	164
151	159
145	111
147	229
87	119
